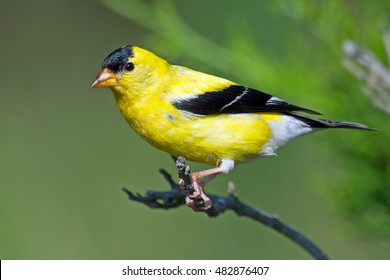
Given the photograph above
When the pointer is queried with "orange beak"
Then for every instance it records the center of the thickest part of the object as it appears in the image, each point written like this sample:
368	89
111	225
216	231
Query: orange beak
106	78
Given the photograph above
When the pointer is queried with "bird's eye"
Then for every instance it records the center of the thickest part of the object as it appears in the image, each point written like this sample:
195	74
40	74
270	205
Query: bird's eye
129	66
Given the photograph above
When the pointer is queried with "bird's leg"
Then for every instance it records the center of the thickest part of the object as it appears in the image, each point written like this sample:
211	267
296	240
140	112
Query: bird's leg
207	179
207	174
196	198
201	178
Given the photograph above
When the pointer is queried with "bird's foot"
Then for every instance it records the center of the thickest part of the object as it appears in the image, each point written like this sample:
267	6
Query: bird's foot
193	183
195	197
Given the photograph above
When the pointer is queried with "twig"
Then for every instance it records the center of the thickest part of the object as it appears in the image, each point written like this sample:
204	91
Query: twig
175	198
367	68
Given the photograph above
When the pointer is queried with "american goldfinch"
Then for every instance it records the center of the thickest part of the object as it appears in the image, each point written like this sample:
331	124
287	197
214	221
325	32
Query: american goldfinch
202	117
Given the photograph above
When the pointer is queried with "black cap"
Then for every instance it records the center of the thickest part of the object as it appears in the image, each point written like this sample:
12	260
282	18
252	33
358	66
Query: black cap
118	58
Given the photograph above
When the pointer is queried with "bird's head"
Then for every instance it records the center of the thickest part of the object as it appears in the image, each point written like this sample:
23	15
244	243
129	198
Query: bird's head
130	68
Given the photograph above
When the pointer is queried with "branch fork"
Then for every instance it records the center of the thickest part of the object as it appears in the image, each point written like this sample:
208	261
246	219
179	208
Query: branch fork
178	195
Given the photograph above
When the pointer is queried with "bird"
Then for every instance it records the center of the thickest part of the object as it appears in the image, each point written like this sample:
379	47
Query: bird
202	117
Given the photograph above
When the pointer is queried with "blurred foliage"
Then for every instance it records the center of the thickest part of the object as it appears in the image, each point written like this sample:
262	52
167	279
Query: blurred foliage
305	68
363	191
66	152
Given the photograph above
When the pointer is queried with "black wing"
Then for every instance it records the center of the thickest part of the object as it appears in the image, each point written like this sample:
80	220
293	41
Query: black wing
236	100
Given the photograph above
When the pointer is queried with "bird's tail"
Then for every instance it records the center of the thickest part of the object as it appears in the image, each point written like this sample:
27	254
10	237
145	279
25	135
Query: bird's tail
320	123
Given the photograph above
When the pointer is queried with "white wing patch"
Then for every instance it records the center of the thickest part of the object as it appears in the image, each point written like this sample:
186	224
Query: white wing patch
274	100
246	90
179	99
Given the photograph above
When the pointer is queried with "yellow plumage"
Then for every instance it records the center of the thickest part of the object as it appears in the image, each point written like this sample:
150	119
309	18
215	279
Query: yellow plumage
199	116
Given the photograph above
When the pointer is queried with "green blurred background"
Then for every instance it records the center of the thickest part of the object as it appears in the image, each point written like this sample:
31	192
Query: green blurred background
66	152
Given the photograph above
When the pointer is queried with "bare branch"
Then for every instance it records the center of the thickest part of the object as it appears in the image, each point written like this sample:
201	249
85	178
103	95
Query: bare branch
175	198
